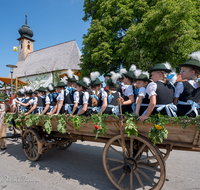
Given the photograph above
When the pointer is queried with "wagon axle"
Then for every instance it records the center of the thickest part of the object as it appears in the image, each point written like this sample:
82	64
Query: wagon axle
130	166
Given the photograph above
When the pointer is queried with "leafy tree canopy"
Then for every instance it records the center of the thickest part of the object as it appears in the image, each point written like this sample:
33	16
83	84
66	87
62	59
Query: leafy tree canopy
141	32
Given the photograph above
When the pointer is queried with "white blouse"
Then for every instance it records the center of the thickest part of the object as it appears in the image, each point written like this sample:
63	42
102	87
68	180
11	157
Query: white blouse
127	90
85	97
142	92
33	101
47	100
60	96
104	94
151	89
180	88
76	97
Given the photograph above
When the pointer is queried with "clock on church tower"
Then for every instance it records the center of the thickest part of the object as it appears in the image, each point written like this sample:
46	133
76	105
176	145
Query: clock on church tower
25	41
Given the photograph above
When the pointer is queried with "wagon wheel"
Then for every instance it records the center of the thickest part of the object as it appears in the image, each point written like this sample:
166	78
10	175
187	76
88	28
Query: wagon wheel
65	146
164	152
135	173
30	144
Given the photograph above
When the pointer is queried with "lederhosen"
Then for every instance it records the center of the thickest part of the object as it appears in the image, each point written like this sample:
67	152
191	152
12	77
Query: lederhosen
112	104
99	104
68	101
189	93
165	95
127	108
53	102
40	105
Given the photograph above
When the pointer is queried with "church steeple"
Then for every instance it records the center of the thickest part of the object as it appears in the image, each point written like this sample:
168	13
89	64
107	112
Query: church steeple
25	41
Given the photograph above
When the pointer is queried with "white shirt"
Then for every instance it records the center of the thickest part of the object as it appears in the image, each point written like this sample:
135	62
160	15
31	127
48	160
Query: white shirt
151	89
33	101
85	97
14	101
60	96
76	97
180	88
127	90
104	94
142	92
47	100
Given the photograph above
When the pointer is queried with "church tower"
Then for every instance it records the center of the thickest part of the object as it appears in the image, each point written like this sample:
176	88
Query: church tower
25	41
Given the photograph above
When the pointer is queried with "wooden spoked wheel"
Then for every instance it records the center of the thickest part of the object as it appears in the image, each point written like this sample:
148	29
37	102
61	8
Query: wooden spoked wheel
30	144
164	152
65	146
134	173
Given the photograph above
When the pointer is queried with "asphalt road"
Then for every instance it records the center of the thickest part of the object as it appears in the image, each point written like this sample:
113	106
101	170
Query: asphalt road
80	167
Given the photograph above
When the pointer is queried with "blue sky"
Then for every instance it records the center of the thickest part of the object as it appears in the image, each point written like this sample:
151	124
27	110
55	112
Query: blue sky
52	22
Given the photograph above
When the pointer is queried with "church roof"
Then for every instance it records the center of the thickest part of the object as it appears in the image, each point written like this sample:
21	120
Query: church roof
58	57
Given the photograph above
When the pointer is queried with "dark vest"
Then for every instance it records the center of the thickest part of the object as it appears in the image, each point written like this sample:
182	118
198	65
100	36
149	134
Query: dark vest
69	98
99	101
165	93
114	102
40	103
53	103
27	108
189	93
127	108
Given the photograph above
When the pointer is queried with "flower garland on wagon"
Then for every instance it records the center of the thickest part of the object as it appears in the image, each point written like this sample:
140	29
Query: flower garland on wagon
157	133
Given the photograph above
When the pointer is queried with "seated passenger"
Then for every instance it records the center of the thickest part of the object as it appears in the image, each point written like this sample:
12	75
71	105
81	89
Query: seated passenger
97	100
43	101
59	108
127	98
29	104
52	97
160	92
142	99
113	95
82	96
69	92
187	93
20	97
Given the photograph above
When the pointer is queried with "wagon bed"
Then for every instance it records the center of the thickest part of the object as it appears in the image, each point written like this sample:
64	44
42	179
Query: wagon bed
125	159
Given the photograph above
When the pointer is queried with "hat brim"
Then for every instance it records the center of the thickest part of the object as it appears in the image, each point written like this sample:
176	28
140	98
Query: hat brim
81	84
189	65
146	80
165	70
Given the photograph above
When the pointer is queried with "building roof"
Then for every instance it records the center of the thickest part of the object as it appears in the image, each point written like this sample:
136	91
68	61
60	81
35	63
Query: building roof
58	57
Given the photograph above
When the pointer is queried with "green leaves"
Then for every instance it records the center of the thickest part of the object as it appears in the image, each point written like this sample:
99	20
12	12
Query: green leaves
141	32
157	135
131	128
62	125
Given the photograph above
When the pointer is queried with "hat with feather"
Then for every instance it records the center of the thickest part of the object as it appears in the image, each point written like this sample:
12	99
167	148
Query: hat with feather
107	75
60	84
51	87
29	90
21	92
113	80
166	67
144	76
122	71
193	62
41	89
71	77
130	74
94	78
84	82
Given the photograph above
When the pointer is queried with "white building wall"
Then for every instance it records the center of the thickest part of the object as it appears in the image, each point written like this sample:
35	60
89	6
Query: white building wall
39	80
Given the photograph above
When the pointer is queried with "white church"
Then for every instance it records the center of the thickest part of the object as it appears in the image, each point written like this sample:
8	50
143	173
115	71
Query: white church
44	62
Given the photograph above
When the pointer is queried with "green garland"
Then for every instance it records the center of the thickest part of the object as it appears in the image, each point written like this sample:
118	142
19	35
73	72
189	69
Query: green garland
157	133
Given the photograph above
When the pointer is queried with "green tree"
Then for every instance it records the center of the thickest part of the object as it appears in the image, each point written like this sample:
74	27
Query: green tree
169	31
141	32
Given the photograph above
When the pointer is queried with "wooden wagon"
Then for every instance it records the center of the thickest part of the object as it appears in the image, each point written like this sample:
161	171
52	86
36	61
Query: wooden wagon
125	159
